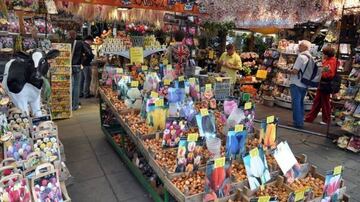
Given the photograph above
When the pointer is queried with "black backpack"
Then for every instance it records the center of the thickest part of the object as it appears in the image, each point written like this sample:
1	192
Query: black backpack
331	86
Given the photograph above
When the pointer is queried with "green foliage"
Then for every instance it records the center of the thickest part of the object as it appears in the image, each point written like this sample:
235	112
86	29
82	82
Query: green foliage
213	29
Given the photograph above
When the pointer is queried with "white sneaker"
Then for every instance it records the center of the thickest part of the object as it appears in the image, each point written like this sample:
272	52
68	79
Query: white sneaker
323	123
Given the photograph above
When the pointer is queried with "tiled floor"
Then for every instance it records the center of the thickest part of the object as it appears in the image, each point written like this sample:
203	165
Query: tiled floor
100	176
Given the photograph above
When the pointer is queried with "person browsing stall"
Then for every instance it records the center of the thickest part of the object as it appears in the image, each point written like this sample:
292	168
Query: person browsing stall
297	88
230	62
322	97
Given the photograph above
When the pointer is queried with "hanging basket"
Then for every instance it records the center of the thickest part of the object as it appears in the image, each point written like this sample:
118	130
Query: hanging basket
137	41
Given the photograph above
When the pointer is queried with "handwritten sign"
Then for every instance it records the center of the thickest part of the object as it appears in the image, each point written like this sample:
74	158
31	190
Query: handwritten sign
192	137
167	82
270	119
134	84
337	170
239	127
219	162
247	105
204	112
254	152
261	74
136	55
159	103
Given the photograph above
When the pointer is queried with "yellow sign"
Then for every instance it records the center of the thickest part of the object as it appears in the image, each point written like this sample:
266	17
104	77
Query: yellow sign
192	80
208	86
168	67
270	119
134	84
181	78
144	68
136	55
239	127
248	105
154	94
254	152
167	82
159	103
211	54
192	137
299	195
261	74
219	162
218	78
337	170
119	70
204	112
264	198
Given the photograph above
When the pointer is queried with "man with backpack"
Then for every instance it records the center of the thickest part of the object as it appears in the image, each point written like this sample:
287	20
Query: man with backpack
304	74
330	83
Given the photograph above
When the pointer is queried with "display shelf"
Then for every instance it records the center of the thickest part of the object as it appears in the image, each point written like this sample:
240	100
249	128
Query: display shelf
126	53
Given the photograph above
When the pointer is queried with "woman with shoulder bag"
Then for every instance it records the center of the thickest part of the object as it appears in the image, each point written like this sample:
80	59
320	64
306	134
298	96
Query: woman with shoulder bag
322	97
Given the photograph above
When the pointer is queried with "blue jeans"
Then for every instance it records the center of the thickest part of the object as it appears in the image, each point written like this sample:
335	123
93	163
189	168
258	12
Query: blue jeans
85	81
297	96
75	77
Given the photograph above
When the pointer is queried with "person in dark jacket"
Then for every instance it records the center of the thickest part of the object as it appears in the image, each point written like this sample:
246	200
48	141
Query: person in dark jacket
87	57
77	49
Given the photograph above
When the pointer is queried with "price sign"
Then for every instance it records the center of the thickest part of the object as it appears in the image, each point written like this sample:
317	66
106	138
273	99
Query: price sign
270	119
299	195
218	79
254	152
211	54
208	86
239	127
337	170
204	112
119	70
181	78
154	94
167	82
159	103
197	88
247	105
219	162
192	80
144	68
136	55
263	198
134	84
192	137
261	74
168	67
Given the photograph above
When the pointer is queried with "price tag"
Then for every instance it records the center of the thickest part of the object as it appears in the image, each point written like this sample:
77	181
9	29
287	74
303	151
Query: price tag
239	127
264	198
219	162
337	170
134	84
248	105
154	94
192	80
208	86
181	78
270	119
168	67
261	74
159	103
204	112
299	195
211	54
254	152
192	137
218	78
119	70
144	68
197	88
167	82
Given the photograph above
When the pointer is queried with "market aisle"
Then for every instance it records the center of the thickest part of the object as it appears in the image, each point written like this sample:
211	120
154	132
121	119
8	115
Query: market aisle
99	174
96	166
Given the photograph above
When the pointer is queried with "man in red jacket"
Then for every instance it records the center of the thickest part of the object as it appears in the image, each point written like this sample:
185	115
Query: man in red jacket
322	99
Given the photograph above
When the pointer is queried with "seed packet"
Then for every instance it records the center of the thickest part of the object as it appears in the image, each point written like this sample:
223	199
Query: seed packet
156	116
235	143
268	132
332	185
206	123
256	167
301	195
189	153
175	128
217	179
264	198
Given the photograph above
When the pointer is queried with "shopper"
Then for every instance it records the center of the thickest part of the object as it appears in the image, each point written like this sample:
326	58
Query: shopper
322	97
77	49
230	62
87	57
297	88
178	54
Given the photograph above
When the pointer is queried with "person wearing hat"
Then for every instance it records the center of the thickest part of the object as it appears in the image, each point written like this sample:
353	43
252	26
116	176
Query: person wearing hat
230	62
